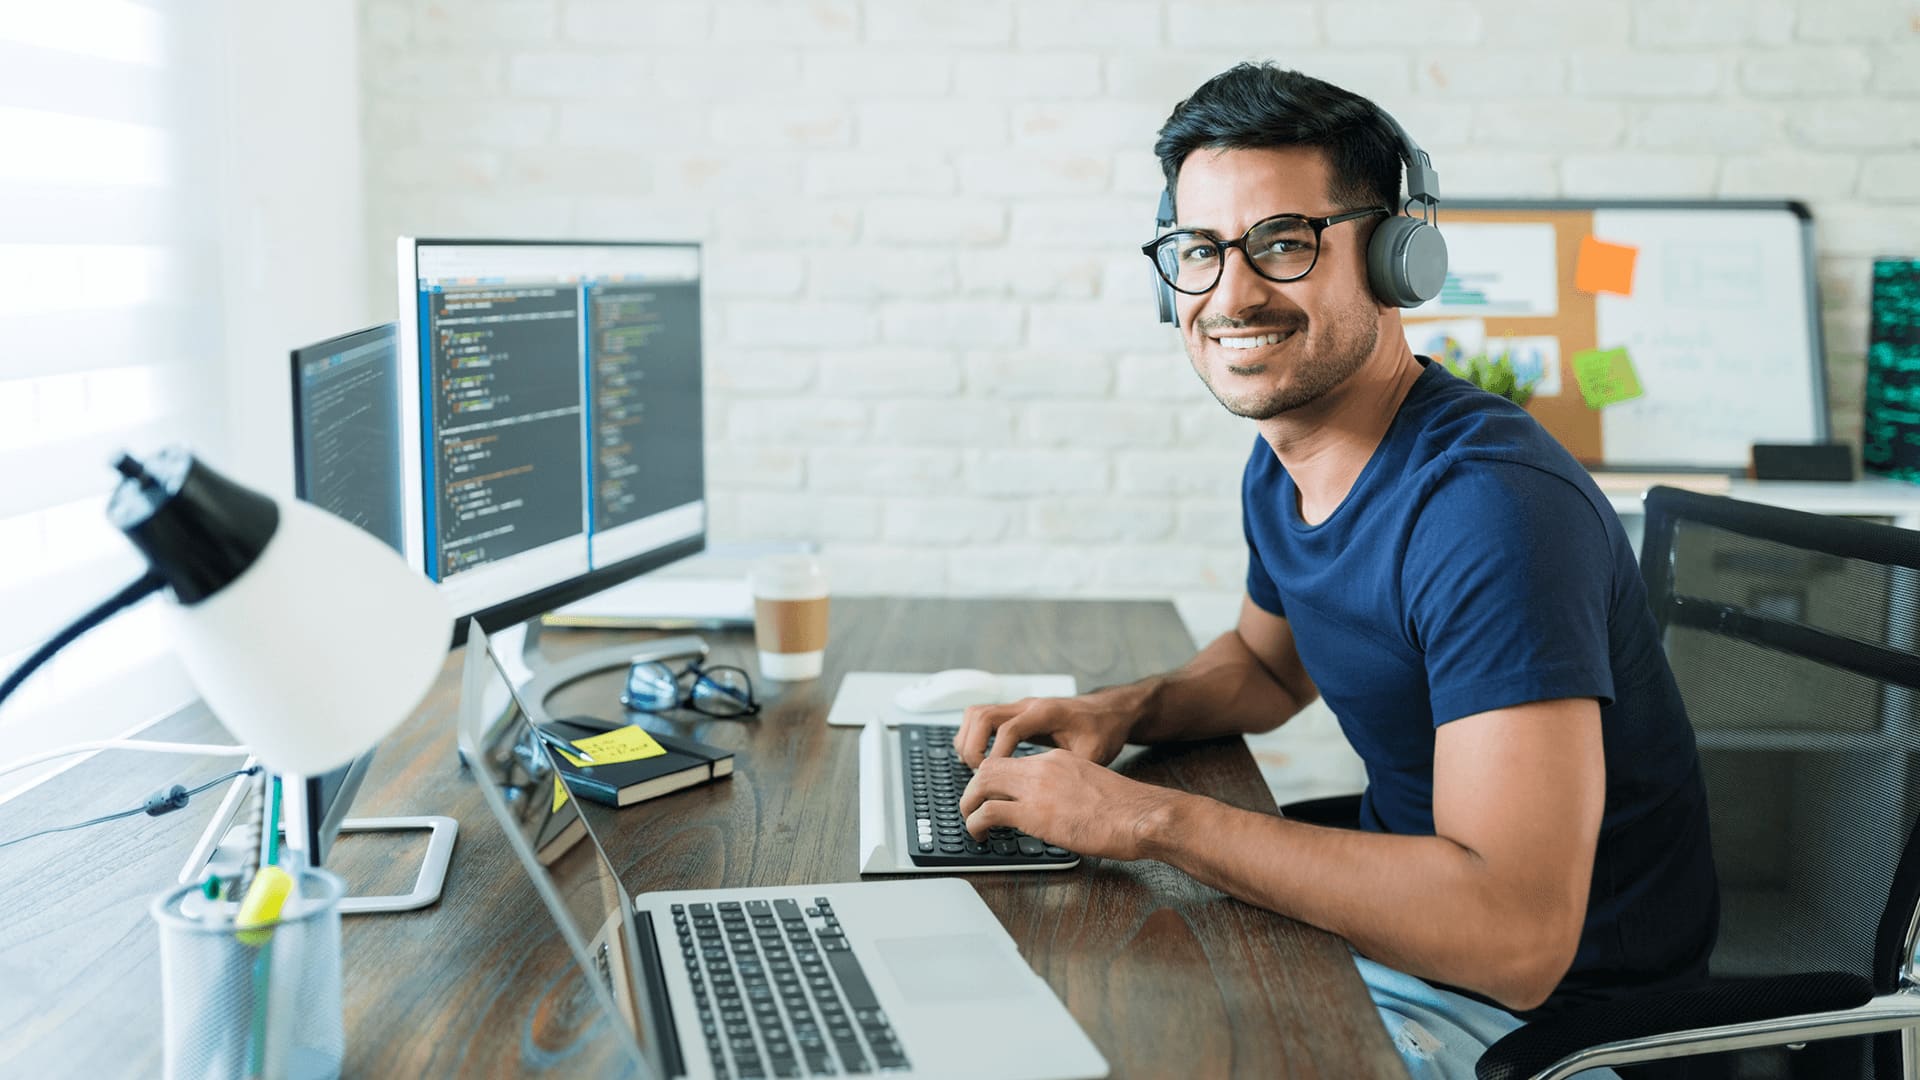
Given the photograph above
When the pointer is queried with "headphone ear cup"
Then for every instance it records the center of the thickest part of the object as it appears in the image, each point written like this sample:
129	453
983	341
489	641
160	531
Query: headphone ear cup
1406	261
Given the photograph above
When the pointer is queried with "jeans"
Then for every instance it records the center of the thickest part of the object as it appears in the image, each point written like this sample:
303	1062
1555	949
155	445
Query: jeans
1439	1035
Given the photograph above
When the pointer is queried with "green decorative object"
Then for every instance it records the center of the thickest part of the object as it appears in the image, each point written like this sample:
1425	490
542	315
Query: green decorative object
1890	431
1493	374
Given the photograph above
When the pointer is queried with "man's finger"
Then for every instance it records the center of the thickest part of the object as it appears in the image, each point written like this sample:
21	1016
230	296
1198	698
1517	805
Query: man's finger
1010	733
976	725
992	781
992	813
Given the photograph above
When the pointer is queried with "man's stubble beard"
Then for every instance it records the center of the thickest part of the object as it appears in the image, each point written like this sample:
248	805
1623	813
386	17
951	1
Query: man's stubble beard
1350	339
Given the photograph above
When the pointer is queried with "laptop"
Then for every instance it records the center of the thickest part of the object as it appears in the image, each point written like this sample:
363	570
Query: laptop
914	978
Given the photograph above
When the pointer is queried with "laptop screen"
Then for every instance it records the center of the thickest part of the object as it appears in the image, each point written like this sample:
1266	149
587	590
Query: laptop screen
544	826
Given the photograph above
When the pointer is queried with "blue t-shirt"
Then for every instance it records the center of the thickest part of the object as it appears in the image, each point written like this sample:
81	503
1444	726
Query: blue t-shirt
1475	566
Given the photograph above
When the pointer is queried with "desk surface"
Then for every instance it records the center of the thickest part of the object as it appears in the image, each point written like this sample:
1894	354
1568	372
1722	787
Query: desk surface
1166	976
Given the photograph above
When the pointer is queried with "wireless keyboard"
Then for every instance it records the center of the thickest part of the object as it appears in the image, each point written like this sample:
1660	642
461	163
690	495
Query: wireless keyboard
937	836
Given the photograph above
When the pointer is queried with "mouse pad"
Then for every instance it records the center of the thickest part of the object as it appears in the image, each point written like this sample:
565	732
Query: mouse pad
864	695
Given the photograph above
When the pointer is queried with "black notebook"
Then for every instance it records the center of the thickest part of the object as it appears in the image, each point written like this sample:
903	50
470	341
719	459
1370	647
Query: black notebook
684	763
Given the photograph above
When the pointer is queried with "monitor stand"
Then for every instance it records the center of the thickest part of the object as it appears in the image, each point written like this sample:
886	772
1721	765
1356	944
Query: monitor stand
545	677
222	851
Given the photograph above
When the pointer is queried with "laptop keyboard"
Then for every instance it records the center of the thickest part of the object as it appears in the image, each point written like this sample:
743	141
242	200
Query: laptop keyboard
935	779
780	992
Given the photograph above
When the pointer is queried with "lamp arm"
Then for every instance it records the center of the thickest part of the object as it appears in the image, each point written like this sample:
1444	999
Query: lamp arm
148	584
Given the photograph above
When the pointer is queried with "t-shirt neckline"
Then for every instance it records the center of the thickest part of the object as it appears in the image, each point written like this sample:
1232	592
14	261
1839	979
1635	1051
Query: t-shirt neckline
1296	522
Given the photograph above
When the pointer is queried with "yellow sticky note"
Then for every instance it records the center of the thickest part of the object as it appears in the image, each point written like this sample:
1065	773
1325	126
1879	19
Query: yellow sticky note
1606	377
1604	267
630	743
559	795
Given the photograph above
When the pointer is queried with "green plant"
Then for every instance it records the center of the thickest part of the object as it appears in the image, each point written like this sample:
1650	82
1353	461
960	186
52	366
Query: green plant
1493	374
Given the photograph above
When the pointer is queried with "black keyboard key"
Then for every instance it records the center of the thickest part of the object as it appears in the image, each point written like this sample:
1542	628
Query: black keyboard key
786	909
853	981
1029	846
854	1061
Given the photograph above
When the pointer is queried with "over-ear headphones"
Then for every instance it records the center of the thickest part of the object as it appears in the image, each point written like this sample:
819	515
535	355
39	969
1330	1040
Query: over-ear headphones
1407	257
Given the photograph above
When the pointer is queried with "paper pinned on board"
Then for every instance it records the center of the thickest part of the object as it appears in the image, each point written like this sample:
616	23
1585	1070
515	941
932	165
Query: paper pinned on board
1606	377
1605	267
1498	268
1447	340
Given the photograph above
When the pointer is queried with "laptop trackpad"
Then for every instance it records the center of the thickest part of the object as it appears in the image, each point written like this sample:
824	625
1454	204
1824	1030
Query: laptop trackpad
953	968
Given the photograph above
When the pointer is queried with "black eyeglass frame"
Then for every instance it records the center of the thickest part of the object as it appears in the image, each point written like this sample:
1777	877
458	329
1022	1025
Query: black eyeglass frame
686	699
1318	224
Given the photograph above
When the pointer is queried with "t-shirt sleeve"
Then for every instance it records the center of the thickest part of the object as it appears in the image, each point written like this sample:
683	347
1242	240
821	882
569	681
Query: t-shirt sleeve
1508	581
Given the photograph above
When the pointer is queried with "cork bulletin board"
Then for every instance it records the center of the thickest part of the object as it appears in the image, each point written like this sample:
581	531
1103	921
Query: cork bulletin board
1658	335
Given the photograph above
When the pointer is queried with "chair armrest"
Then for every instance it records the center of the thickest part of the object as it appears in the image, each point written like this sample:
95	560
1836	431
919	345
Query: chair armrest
1530	1049
1338	811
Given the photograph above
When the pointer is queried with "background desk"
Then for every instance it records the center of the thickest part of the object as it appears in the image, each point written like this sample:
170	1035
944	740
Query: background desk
1167	977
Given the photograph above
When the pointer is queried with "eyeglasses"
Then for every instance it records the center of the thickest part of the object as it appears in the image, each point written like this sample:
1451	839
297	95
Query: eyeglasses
721	690
1284	247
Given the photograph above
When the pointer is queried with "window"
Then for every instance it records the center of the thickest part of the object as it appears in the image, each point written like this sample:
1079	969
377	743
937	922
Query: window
109	339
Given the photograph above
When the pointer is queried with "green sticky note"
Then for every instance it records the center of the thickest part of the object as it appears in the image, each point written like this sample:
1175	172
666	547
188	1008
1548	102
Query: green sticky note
1605	376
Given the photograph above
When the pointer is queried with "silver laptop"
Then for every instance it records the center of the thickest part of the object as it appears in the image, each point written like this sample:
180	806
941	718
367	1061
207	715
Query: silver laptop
910	977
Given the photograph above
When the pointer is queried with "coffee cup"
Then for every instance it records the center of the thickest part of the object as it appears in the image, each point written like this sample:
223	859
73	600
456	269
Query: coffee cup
790	616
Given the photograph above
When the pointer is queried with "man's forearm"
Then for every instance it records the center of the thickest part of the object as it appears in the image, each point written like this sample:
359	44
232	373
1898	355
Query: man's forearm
1223	690
1422	904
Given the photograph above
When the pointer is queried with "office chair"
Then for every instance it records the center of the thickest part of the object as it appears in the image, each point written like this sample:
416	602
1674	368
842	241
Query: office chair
1795	640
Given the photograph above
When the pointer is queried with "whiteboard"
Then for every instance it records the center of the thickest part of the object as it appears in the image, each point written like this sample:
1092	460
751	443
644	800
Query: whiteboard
1720	320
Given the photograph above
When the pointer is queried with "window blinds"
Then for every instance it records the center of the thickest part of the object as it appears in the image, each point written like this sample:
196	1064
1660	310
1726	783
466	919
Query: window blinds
109	339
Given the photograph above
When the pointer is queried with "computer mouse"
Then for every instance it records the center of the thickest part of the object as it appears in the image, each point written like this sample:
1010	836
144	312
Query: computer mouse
946	691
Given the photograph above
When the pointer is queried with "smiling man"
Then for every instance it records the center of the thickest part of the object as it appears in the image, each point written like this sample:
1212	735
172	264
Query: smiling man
1428	559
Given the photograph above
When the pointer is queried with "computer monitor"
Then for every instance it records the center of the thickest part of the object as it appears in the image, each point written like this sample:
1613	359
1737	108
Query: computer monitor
552	390
347	460
347	453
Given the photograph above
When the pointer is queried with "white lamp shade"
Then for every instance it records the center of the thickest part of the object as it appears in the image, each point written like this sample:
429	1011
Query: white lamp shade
320	648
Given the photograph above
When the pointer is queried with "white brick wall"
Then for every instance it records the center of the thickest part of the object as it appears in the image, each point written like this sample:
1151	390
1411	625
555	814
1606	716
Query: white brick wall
930	344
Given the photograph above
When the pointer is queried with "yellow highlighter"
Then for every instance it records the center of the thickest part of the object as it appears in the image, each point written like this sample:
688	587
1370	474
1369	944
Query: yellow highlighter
261	907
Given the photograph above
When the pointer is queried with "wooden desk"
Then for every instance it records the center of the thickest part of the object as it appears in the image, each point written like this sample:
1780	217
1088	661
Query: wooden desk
1167	977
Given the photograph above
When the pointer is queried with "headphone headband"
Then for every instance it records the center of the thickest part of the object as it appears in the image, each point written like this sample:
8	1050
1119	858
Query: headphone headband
1423	180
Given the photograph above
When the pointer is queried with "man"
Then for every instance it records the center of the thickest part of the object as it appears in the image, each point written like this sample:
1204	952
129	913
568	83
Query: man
1426	557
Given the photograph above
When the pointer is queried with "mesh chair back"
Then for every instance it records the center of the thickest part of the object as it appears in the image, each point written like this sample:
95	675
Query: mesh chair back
1795	639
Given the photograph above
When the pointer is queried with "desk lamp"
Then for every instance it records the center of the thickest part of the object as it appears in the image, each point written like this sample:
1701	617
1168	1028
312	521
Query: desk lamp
308	638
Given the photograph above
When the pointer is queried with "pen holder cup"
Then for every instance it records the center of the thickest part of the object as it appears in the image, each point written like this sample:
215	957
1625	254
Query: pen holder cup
260	1002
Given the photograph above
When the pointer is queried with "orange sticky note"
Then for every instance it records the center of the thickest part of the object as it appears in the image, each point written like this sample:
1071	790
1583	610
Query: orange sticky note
1604	267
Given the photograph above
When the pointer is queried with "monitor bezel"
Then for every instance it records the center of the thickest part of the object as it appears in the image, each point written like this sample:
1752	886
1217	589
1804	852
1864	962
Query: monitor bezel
531	604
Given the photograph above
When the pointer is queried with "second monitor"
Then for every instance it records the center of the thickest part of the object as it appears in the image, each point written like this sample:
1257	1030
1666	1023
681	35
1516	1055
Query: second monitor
554	391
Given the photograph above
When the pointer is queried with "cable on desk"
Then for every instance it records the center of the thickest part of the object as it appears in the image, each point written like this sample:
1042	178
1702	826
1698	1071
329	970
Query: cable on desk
160	802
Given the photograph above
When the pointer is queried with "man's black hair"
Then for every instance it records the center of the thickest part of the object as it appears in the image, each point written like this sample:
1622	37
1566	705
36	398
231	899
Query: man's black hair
1262	106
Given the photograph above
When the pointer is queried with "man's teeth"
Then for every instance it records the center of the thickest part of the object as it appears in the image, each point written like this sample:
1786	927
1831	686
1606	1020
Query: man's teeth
1253	342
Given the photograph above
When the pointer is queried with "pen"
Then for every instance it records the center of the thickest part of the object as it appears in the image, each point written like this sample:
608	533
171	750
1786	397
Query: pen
559	743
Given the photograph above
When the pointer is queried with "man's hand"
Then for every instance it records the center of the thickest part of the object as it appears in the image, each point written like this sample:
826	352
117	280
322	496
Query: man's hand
1064	800
1078	725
